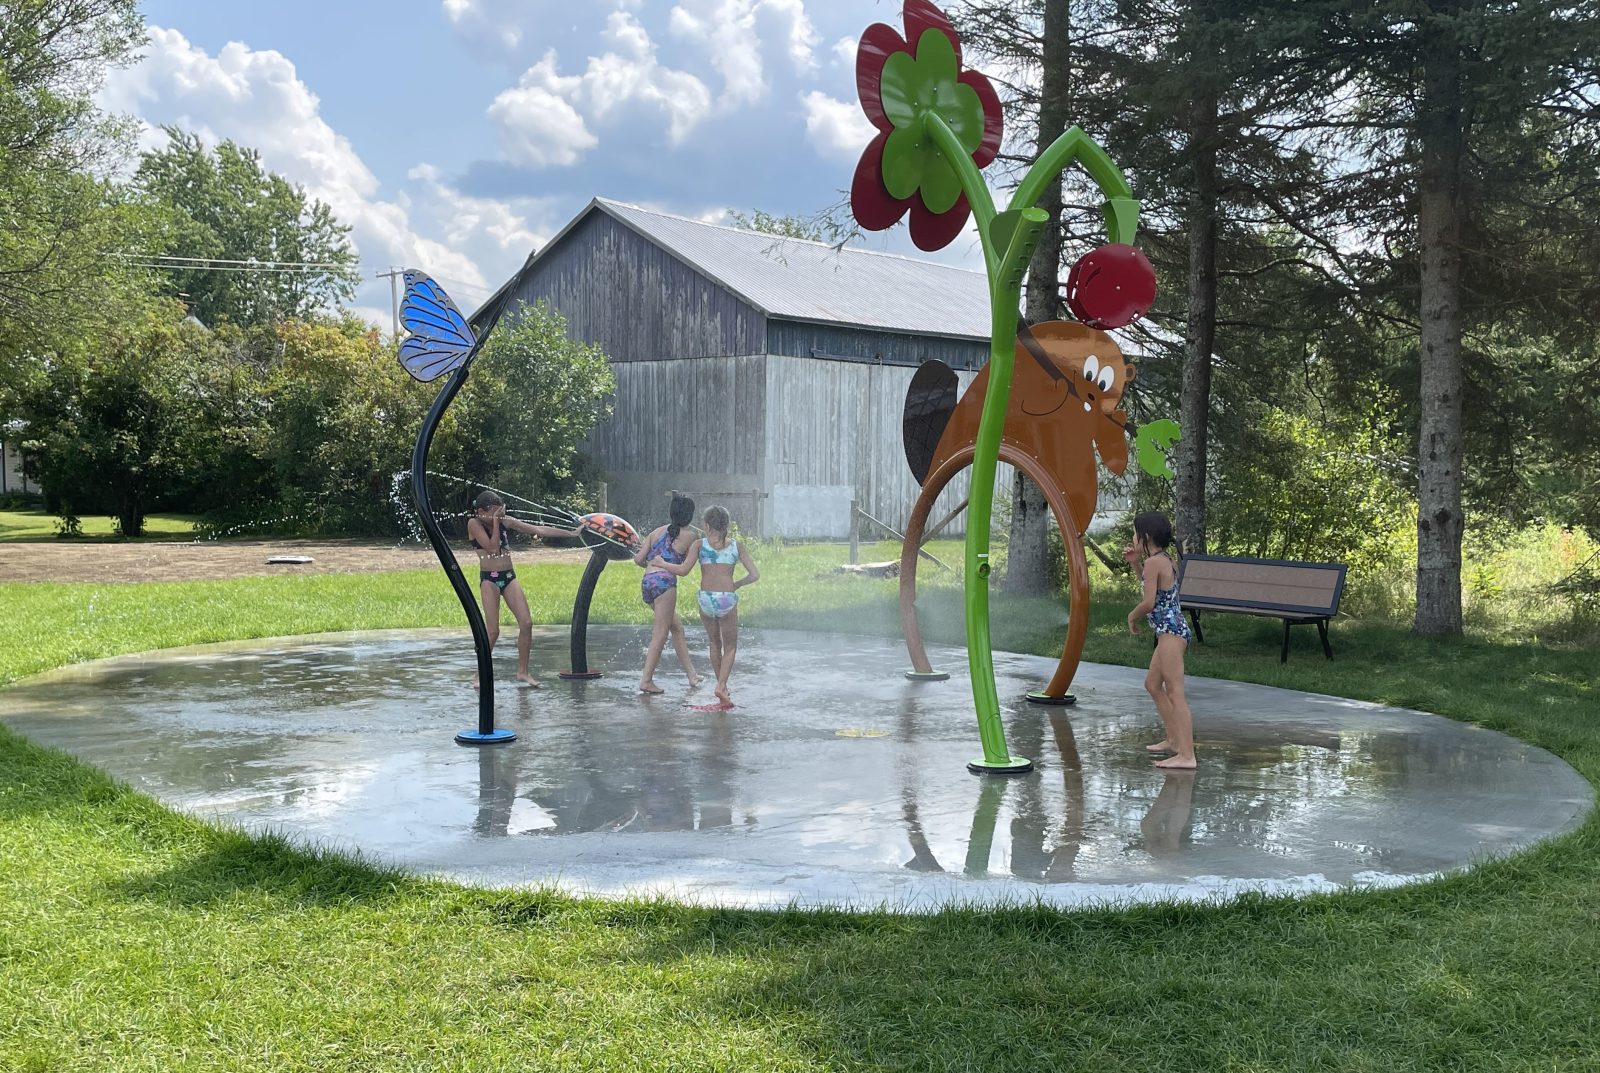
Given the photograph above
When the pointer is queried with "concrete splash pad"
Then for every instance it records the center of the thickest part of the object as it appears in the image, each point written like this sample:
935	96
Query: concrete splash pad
835	781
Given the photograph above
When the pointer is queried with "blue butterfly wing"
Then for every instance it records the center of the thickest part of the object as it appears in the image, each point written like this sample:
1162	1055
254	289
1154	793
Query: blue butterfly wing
439	338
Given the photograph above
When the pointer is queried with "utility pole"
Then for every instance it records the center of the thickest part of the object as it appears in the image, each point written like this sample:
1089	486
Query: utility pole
393	276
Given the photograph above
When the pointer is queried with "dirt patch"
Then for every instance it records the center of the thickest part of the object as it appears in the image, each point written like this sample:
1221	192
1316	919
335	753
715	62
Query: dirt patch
191	561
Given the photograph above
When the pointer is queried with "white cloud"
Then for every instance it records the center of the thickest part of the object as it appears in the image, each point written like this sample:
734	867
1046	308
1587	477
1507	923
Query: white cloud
465	217
537	126
257	99
837	128
474	20
544	120
727	30
844	51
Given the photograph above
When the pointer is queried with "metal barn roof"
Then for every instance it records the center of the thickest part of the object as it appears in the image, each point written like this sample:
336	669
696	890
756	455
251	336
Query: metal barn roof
794	279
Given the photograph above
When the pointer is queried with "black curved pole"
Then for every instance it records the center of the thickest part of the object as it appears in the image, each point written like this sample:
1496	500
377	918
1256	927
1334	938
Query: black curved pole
447	559
579	644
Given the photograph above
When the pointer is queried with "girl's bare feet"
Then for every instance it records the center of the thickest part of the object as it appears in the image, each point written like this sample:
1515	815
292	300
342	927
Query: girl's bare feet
1160	747
722	695
527	681
694	683
1182	763
650	688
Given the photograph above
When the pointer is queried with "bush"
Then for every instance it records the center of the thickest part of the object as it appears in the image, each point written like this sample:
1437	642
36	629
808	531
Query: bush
1314	492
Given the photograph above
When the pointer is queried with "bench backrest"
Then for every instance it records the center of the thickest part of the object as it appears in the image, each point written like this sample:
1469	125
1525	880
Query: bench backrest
1269	584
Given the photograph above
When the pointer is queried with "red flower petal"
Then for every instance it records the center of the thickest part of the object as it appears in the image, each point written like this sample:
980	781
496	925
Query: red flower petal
920	15
878	43
874	209
993	117
932	231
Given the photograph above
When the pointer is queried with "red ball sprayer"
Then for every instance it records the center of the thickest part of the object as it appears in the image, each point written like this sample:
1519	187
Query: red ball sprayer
1111	287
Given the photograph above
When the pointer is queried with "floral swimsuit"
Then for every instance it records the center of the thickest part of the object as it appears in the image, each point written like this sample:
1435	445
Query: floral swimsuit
1167	614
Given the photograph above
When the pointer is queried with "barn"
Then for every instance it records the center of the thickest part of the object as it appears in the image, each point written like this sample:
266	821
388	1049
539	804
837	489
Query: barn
762	372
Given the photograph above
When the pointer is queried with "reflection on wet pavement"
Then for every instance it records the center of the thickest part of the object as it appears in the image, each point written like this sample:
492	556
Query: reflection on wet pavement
834	781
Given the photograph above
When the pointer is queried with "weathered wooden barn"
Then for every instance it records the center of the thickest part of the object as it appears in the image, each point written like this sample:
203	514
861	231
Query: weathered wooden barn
762	372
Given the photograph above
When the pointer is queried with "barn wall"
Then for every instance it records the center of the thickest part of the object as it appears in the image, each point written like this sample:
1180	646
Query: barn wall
635	300
839	423
691	424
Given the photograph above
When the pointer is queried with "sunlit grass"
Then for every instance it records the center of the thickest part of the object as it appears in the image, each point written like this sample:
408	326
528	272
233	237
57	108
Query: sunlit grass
38	525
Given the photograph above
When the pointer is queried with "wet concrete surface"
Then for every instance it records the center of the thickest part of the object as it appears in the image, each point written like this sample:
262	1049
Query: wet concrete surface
834	782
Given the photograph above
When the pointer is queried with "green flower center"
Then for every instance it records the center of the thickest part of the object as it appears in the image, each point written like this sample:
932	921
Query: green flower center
913	87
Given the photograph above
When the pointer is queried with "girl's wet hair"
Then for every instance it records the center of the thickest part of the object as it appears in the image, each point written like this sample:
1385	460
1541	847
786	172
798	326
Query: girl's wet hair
1155	528
681	514
717	518
487	499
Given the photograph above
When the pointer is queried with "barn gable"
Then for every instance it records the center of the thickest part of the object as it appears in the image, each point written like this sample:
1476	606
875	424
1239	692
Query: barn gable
634	298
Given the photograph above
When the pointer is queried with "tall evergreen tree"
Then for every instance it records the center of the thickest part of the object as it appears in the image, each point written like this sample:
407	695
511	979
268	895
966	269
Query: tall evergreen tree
1477	128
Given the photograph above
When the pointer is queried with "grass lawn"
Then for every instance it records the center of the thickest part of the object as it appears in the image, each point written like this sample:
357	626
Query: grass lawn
40	525
132	938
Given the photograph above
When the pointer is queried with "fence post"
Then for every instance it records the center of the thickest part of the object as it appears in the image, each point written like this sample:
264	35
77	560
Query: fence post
605	489
855	533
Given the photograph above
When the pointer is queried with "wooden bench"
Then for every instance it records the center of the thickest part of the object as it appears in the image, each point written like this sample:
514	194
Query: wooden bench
1301	594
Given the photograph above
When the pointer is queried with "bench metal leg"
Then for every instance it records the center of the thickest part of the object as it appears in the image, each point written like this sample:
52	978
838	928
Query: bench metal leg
1194	620
1322	631
1284	657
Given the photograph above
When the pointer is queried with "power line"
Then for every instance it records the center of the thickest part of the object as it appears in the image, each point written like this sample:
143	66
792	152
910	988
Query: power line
256	271
253	262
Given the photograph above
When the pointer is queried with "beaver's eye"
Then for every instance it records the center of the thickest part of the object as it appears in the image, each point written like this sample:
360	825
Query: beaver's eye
1091	367
1107	377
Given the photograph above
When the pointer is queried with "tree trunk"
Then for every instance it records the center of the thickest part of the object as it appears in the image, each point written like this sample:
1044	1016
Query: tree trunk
130	514
1200	337
1439	442
1028	550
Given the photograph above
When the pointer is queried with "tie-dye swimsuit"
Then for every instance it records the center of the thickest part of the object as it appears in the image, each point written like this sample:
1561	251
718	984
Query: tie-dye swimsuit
657	582
718	604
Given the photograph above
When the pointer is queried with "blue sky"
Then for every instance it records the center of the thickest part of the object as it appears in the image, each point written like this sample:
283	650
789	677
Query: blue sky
457	135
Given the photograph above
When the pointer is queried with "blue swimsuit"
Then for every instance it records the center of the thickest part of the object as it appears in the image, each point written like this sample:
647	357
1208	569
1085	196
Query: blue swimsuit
1167	615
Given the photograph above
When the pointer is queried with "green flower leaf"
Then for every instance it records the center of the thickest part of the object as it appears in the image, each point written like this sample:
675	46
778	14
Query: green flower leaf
913	87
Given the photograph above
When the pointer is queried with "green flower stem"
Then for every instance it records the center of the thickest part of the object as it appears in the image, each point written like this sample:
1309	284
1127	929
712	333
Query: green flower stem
1005	296
972	183
1008	240
1122	212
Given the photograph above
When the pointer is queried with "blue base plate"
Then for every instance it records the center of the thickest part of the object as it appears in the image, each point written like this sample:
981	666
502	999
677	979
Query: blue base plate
494	737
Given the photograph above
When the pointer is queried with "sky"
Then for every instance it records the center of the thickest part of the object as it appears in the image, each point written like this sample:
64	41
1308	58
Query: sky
456	136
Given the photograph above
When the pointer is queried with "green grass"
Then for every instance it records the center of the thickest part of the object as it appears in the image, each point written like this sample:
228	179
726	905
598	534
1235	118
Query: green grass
18	525
137	939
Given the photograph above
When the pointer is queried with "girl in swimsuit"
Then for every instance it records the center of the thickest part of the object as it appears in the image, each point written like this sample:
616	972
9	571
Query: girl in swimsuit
1152	535
486	531
718	553
671	543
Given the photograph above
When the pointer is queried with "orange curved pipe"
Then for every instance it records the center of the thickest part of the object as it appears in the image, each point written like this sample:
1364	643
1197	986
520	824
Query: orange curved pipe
1077	567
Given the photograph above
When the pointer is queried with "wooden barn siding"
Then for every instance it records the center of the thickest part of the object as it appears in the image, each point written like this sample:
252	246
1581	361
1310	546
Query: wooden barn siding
636	301
695	424
863	344
839	422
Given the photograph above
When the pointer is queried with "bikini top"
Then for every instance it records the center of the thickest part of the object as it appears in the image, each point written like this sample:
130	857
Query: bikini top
664	548
726	557
504	544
